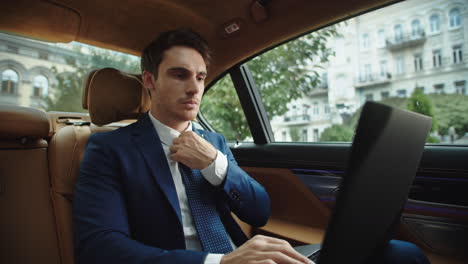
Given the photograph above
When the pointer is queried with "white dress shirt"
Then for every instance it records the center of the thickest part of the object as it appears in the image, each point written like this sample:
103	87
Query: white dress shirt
214	174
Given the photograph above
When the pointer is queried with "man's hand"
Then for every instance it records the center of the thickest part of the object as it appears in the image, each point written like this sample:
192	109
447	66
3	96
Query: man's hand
265	250
193	150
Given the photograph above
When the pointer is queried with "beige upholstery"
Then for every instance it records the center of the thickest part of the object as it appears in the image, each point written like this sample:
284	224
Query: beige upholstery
65	154
111	95
27	225
21	122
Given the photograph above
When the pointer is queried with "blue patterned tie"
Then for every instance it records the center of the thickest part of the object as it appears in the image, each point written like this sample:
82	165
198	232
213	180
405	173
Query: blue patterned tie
211	231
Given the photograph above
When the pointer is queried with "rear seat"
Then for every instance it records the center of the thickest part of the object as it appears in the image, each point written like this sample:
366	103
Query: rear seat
27	224
110	96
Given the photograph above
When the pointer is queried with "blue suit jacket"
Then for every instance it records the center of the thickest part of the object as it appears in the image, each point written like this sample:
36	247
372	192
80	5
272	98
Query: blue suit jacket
126	208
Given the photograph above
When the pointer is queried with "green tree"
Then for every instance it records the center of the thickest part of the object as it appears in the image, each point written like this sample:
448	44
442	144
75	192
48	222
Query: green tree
341	133
290	71
283	74
66	95
451	111
422	104
222	108
295	134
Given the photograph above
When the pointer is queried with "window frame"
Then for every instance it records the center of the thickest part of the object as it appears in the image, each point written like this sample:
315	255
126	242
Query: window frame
262	132
454	18
434	23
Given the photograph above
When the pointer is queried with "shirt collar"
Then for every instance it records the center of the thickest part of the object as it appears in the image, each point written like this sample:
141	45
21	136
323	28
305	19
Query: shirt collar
166	134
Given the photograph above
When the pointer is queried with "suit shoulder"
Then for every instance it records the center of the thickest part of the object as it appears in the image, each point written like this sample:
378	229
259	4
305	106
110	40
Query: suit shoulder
113	136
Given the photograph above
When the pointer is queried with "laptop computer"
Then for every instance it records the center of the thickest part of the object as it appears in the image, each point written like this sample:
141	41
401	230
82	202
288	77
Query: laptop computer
383	161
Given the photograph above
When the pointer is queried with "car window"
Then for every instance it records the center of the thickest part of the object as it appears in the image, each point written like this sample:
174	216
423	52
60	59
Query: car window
50	76
222	109
405	55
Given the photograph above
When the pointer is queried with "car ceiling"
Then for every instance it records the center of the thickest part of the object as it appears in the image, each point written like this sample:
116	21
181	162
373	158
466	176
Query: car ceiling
128	25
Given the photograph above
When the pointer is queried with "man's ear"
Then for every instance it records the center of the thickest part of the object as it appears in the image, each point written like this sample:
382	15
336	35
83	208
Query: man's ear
148	80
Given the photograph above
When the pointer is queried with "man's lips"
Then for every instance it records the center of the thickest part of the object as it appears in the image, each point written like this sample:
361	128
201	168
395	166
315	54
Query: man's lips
190	103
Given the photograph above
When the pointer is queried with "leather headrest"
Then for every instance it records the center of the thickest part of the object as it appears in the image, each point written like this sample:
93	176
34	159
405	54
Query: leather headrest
111	95
22	122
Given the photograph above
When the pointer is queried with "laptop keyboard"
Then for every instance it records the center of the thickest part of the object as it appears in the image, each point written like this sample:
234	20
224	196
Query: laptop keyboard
314	257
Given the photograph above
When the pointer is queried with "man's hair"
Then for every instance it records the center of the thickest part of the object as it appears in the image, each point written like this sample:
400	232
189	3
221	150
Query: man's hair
153	54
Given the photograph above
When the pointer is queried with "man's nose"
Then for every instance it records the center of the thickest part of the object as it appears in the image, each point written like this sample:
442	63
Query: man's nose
193	86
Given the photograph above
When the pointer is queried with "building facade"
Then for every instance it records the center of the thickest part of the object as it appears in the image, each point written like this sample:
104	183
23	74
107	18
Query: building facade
386	53
26	69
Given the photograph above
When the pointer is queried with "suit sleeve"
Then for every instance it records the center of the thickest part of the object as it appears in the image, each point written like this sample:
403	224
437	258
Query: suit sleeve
246	197
101	229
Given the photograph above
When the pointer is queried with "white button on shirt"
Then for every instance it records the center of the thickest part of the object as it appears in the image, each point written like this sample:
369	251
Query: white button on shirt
214	174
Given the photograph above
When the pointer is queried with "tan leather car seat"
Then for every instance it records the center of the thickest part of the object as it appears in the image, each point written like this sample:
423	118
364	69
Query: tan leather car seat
110	96
27	224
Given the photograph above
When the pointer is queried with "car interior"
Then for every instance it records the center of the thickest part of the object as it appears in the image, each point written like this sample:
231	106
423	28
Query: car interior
40	152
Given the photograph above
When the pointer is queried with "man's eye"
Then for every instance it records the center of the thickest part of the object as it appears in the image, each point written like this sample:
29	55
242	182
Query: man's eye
180	75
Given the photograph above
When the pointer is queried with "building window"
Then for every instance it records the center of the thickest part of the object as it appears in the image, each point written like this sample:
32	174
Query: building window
418	63
383	68
398	30
416	30
367	72
327	109
9	81
457	54
434	22
304	135
385	95
40	86
401	93
455	18
316	110
400	65
294	110
305	109
365	42
324	80
439	88
369	97
460	87
381	38
436	58
316	135
12	49
43	55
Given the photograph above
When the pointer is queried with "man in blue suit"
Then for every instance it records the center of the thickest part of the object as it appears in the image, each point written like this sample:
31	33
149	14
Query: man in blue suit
161	191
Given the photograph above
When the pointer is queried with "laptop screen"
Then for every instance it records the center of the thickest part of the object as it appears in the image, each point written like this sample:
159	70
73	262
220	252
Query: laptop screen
383	161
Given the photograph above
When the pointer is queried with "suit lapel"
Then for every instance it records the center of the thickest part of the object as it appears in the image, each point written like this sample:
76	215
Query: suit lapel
148	142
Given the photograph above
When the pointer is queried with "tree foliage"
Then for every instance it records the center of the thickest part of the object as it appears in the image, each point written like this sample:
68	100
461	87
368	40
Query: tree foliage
449	110
283	74
222	108
291	71
295	134
337	133
422	104
452	111
66	95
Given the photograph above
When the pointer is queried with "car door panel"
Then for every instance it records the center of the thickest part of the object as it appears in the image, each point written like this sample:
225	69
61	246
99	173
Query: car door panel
303	180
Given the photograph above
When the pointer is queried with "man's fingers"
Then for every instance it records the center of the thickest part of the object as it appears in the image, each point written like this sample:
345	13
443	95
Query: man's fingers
271	244
289	251
173	148
279	257
265	261
281	252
